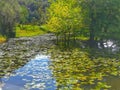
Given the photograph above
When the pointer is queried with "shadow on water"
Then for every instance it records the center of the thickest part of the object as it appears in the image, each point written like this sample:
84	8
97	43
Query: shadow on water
34	75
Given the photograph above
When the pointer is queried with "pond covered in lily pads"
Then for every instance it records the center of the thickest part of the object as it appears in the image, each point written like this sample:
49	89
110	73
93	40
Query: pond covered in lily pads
59	69
78	69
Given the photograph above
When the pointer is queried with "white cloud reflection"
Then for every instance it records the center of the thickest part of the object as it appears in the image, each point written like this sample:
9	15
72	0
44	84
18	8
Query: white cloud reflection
34	75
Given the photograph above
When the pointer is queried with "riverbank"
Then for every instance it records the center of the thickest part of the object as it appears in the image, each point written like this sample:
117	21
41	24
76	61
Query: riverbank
26	31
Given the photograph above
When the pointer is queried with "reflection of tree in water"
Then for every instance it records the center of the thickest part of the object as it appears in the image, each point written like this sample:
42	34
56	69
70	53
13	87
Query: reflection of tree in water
75	70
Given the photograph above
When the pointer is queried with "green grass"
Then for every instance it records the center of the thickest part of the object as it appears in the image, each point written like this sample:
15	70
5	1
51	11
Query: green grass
28	33
28	30
82	38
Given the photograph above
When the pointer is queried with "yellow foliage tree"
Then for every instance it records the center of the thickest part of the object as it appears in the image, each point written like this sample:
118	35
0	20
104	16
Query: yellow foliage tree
64	18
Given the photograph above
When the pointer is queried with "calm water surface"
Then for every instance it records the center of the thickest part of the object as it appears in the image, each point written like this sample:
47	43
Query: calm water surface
35	75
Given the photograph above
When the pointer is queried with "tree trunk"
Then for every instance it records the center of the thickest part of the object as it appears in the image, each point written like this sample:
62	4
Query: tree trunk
57	39
92	30
91	39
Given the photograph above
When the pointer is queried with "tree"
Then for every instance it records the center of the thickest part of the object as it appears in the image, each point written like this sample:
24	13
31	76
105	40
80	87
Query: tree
23	15
35	9
102	18
9	14
64	18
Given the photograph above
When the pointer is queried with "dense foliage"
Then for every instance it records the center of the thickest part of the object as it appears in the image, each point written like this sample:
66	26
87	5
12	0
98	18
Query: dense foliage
65	18
33	11
9	14
102	18
21	12
96	19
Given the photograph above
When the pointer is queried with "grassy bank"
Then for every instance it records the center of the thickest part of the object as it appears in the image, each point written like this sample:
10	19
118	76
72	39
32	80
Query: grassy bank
26	31
2	39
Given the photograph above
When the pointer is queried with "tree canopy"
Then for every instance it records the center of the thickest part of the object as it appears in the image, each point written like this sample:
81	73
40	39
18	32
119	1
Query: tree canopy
95	19
64	17
98	19
35	11
102	17
9	13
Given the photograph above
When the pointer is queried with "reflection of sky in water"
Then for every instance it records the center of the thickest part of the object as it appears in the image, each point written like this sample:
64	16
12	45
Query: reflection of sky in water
35	75
110	45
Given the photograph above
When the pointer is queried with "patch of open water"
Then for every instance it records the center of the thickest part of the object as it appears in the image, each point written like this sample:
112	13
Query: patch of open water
35	75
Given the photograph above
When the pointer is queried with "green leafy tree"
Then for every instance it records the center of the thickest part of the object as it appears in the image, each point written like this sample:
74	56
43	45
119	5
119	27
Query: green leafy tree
23	15
101	18
35	9
9	14
64	18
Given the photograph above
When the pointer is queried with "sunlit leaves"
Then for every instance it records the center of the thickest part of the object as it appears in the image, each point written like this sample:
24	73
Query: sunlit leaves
54	23
67	14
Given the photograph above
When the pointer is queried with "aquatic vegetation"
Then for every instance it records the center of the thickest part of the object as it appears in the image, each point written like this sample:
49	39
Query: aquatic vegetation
75	70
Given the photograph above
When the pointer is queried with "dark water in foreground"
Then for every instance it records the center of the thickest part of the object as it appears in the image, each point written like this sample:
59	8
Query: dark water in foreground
35	75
